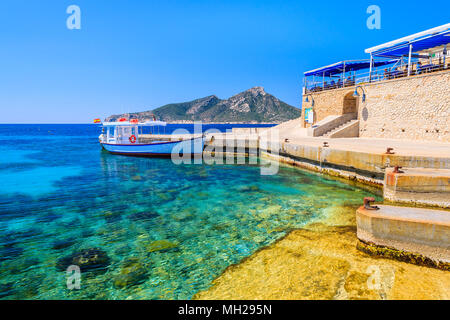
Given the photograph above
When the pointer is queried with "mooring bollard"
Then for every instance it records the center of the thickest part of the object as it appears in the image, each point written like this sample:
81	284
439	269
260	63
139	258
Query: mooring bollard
389	151
368	204
325	144
397	170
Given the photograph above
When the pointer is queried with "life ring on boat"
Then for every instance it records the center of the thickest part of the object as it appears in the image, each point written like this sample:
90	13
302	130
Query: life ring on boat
132	138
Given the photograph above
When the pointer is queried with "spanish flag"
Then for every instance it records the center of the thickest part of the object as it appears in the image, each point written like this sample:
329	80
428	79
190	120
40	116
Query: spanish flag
97	120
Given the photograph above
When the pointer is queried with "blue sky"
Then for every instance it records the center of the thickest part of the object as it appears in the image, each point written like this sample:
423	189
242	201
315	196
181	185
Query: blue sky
139	55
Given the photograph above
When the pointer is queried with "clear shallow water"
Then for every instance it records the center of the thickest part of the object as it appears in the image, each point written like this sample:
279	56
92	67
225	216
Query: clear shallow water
164	231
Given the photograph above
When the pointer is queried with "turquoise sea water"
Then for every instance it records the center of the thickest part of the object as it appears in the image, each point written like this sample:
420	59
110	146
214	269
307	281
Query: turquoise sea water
158	230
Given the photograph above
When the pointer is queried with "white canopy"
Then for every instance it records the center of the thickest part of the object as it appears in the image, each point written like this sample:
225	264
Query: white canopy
128	123
409	38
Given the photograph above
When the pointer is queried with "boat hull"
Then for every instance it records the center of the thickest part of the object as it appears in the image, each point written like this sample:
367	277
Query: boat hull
193	147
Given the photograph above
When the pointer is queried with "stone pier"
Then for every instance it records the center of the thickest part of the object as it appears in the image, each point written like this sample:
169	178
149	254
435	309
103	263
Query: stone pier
417	235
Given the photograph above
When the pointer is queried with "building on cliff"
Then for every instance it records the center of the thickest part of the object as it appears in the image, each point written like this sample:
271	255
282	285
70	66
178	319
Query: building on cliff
401	91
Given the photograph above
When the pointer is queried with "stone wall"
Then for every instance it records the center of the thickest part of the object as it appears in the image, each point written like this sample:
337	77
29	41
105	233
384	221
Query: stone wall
417	107
330	103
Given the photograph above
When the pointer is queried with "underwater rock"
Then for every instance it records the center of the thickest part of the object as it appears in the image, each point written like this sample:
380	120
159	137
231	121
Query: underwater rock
10	252
92	259
291	211
161	245
222	226
112	217
132	273
182	216
86	233
248	189
28	288
20	265
61	244
270	211
165	196
259	239
6	289
15	237
70	224
122	250
142	216
136	178
203	195
120	208
49	217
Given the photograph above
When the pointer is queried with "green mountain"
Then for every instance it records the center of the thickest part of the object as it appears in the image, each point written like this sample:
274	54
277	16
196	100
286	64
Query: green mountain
253	105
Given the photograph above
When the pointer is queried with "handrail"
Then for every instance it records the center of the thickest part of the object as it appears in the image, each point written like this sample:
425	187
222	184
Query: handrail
379	74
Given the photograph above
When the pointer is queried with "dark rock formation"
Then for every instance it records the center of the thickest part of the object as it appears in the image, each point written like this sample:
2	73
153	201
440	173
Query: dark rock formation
132	273
142	216
92	259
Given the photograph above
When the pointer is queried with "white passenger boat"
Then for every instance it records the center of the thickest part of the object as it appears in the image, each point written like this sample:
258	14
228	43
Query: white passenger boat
127	138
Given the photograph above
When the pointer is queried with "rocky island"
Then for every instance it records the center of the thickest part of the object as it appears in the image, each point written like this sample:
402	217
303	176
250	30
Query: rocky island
251	106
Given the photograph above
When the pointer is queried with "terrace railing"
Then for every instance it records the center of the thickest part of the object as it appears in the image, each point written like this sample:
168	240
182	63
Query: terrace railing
398	70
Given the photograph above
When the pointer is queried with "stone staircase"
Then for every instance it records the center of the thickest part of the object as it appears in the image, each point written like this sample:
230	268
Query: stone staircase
345	130
336	126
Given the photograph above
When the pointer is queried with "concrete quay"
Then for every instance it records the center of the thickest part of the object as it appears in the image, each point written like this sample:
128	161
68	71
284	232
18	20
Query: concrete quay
418	186
416	235
360	159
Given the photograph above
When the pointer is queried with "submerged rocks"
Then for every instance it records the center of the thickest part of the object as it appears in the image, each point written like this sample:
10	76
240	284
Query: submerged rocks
248	189
161	245
269	211
61	244
18	266
92	259
10	252
143	216
132	273
6	289
49	217
86	233
112	217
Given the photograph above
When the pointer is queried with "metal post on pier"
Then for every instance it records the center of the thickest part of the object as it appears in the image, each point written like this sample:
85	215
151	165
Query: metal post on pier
323	80
370	68
445	54
409	60
343	76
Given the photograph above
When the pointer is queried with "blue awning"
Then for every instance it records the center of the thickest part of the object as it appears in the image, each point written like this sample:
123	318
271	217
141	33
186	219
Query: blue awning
354	65
423	43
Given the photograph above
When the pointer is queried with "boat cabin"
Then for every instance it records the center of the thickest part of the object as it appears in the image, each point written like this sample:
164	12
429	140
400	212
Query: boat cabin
129	132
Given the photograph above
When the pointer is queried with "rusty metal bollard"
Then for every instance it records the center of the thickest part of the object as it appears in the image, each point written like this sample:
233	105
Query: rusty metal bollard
325	144
389	151
397	170
368	204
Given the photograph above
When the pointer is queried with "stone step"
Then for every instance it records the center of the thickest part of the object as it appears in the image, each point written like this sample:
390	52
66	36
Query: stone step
418	186
413	235
332	131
